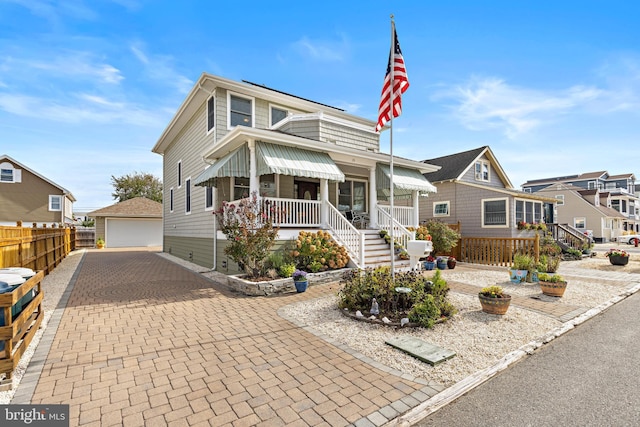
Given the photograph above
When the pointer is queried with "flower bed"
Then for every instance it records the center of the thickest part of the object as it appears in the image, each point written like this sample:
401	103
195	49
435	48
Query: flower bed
278	286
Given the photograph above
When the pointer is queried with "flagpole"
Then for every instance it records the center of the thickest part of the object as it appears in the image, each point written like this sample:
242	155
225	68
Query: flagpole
393	241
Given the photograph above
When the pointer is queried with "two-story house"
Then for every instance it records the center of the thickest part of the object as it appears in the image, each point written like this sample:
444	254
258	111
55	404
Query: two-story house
609	207
316	163
29	197
474	190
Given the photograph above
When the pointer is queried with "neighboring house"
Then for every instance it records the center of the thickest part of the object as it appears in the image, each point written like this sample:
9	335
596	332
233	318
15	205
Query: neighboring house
134	222
614	191
230	139
474	190
27	196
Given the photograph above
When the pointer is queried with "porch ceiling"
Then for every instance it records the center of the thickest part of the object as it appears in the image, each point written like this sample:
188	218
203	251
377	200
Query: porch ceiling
403	178
286	160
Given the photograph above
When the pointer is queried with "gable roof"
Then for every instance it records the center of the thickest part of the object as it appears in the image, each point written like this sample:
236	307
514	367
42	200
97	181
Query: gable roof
583	195
454	166
64	190
139	207
577	177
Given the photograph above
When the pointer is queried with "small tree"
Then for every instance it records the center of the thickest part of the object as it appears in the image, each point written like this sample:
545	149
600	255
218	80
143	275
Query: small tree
250	232
443	237
136	185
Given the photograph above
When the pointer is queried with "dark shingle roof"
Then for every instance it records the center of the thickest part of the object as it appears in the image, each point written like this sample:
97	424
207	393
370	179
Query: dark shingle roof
453	165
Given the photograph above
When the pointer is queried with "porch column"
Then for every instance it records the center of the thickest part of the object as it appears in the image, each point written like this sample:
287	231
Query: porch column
324	206
373	199
254	184
415	194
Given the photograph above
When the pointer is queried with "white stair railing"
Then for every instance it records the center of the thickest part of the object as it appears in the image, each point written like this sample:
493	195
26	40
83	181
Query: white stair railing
402	214
400	233
346	235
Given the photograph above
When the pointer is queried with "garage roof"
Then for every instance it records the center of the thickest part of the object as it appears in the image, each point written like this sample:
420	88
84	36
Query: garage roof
139	207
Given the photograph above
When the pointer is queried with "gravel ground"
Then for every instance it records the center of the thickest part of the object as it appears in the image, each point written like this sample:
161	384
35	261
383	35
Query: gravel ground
478	339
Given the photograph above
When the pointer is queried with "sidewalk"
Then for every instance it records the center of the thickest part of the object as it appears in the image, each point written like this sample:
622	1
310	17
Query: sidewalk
145	341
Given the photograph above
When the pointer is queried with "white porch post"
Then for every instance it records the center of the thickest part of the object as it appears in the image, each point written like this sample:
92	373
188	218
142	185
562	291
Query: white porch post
324	198
254	185
373	199
415	194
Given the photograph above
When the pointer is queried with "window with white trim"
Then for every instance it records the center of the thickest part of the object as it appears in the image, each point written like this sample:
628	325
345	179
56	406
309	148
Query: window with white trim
187	195
277	114
208	199
179	173
55	203
580	222
494	213
560	199
240	111
482	170
171	199
528	211
441	208
211	113
6	175
591	185
9	174
240	188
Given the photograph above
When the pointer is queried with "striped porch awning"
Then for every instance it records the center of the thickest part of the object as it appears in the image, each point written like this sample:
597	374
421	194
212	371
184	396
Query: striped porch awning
286	160
404	179
235	163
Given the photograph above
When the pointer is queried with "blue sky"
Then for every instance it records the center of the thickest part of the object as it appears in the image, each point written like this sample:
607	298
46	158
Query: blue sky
553	87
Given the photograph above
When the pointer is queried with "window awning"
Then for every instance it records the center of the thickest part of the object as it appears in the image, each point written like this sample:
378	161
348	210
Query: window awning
286	160
236	163
403	179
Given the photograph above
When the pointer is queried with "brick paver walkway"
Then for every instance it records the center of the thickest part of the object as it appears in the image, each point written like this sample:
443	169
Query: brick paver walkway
144	341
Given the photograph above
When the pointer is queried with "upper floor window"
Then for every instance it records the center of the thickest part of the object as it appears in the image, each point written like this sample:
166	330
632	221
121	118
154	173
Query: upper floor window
277	114
240	111
55	203
171	200
615	204
179	173
8	173
560	199
494	213
482	170
441	208
211	113
591	185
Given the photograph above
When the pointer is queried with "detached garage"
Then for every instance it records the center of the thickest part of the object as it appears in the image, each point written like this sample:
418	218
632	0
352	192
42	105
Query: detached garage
135	222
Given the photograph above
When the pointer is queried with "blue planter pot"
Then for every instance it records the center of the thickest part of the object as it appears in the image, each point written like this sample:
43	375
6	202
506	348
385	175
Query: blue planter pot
441	264
301	285
518	276
429	265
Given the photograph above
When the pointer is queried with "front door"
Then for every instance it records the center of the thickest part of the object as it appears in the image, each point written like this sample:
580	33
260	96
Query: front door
307	190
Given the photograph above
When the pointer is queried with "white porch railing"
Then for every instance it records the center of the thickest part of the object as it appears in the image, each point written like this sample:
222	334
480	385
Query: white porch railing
294	213
346	235
400	233
402	214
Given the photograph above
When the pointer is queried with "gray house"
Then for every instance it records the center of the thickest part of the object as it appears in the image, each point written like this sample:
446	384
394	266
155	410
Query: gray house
315	162
474	190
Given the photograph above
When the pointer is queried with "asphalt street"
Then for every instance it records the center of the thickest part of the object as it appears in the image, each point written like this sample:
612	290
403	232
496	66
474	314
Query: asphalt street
586	377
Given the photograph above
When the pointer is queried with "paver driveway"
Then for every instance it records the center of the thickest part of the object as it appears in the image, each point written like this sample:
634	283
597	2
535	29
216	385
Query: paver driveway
144	341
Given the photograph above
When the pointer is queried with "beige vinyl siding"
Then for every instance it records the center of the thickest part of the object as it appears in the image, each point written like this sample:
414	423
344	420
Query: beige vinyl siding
188	148
100	228
28	201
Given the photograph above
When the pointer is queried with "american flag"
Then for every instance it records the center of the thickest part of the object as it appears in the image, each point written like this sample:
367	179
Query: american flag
400	85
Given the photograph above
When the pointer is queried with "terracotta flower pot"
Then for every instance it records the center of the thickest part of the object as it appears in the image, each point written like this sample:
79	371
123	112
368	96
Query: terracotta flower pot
495	305
553	289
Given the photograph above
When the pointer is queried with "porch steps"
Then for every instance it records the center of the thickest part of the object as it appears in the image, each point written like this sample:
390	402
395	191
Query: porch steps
378	253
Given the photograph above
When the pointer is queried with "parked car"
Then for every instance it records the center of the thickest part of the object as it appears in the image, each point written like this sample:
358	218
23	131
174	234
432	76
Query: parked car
629	238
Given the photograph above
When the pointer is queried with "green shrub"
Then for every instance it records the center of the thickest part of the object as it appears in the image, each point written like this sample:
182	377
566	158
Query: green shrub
425	313
311	249
286	270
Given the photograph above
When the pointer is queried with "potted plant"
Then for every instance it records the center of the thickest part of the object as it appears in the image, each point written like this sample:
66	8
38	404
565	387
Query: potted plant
99	243
617	256
441	262
552	284
451	263
522	268
494	300
300	280
430	263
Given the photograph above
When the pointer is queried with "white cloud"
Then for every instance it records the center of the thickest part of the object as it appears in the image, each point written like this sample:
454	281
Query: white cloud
491	103
160	68
320	50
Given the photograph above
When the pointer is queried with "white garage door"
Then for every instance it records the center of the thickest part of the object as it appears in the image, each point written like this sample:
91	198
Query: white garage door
125	233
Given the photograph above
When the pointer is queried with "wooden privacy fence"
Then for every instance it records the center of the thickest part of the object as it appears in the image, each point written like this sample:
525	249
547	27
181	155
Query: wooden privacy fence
497	250
41	248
